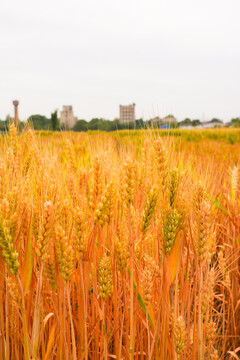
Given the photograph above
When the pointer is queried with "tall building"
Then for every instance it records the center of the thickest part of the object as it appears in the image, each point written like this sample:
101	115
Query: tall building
66	116
127	113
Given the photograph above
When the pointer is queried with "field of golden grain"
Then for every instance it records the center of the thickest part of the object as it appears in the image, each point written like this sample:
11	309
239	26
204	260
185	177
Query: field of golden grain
119	245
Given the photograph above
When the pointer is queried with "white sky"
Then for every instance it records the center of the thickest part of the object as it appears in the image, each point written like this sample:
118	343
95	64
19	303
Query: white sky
167	56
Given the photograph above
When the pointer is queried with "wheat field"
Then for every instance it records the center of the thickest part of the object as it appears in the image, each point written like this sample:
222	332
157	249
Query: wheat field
119	246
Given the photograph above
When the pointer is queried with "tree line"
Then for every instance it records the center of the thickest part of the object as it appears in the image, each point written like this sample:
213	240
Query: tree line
41	122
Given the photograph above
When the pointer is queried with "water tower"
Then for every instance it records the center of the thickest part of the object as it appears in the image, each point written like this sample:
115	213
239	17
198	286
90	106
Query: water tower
15	104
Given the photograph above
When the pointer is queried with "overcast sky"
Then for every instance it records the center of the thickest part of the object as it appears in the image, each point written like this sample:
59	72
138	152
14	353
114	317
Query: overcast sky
167	56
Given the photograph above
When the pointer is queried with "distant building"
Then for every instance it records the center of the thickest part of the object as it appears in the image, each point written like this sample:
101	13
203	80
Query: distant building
170	119
209	124
156	120
188	127
164	126
127	113
66	116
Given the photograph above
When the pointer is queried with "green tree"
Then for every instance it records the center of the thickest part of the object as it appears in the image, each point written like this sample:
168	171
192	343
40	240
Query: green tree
80	125
40	122
196	122
185	122
54	120
8	118
235	122
215	120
